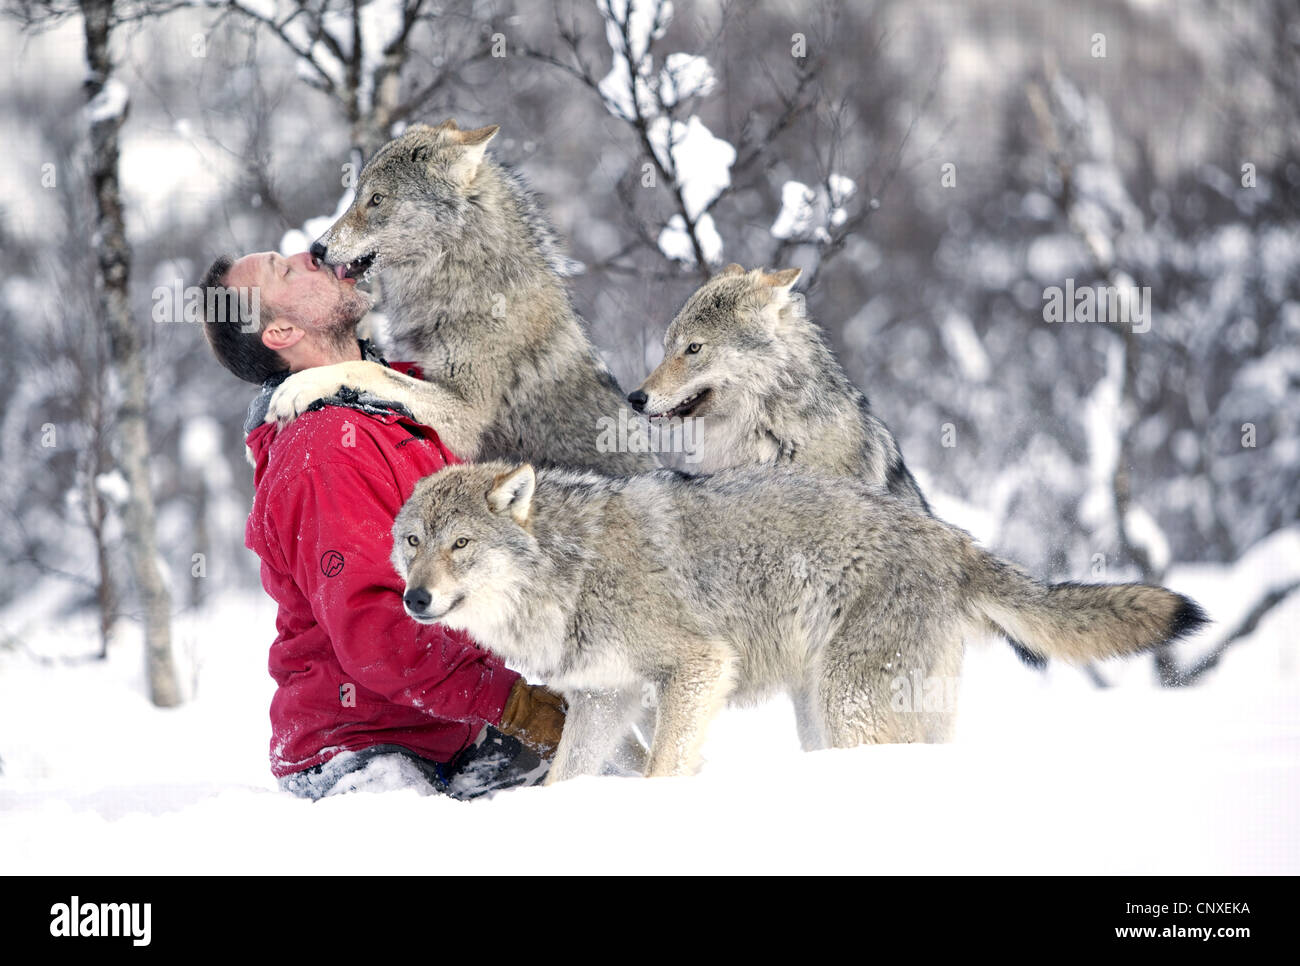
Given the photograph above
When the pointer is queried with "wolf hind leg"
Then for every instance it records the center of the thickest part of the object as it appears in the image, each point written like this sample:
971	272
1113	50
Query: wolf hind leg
884	678
807	714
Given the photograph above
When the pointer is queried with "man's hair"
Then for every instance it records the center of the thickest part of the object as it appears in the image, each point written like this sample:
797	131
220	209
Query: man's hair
236	346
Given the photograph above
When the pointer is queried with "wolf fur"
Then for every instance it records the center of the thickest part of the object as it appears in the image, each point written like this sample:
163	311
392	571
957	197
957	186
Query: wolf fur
473	288
743	356
730	586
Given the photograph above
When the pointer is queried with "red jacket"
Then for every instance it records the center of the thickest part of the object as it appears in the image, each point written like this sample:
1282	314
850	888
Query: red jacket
352	669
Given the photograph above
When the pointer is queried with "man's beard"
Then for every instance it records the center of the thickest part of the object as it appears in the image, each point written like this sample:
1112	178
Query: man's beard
339	331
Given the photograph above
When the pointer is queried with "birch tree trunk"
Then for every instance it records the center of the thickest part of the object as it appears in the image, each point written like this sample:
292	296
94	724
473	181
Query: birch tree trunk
114	259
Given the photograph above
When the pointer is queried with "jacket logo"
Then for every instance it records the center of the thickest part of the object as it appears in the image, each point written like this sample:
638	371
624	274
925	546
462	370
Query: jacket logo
411	435
331	563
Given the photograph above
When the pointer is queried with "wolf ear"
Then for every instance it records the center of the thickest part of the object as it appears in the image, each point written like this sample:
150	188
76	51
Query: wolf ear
732	269
782	281
473	146
513	491
420	140
782	299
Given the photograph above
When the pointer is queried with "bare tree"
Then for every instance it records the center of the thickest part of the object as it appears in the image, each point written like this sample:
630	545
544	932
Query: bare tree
106	111
361	54
657	95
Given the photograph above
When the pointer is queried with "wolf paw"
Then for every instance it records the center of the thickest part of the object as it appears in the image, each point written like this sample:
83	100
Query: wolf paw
299	391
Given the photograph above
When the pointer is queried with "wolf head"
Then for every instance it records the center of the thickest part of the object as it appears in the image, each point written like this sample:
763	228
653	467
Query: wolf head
723	350
413	197
463	546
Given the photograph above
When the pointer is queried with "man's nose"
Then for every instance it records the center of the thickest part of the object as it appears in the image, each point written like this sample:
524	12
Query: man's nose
317	250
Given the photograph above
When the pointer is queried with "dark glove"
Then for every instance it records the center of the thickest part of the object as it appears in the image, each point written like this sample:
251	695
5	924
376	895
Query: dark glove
535	716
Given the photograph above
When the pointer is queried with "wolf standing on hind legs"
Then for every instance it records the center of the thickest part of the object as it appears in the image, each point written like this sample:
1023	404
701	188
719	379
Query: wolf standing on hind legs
474	292
743	356
730	587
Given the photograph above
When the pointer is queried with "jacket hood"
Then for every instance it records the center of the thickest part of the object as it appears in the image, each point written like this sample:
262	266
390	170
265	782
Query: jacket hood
258	435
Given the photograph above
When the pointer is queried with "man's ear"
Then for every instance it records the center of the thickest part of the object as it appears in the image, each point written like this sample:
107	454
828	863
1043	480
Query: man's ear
473	146
281	335
513	491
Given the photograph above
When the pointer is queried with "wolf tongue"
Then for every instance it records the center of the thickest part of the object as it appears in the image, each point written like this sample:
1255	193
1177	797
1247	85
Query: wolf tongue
341	271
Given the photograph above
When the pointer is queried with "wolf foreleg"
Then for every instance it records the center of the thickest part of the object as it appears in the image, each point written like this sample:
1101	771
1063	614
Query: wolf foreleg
690	698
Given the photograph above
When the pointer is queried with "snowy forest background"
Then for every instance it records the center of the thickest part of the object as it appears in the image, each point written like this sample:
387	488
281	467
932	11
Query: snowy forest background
936	168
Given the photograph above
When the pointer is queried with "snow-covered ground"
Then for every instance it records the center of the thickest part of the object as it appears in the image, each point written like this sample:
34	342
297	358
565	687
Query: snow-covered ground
1048	773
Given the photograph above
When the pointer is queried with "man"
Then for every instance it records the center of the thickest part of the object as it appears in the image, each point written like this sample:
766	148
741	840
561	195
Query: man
366	697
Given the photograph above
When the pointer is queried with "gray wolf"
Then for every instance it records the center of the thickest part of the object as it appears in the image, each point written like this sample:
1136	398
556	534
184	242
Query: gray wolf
472	284
730	586
743	356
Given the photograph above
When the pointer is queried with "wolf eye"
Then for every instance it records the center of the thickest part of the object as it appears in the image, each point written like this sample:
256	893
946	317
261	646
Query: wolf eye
375	199
461	544
693	348
413	540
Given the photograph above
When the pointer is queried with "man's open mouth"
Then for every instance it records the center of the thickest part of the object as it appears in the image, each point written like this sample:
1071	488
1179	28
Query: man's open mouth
685	407
355	268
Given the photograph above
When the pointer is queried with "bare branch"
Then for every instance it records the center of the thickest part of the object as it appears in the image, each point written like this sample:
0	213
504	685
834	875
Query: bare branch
324	81
1248	625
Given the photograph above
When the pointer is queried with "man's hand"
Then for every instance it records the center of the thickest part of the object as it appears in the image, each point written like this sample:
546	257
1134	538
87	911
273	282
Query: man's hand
300	390
535	716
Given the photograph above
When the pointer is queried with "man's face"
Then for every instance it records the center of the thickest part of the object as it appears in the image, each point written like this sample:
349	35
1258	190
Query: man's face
300	290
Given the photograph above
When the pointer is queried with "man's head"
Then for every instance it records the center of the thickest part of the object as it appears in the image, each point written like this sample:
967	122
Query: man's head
306	315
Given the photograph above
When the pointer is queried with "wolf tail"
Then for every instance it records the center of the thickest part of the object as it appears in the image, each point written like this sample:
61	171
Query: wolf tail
1078	623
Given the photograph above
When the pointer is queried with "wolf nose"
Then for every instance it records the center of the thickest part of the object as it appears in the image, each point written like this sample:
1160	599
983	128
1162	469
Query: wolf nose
317	250
417	599
637	399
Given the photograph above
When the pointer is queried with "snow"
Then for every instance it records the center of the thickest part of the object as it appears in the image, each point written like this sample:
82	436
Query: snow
685	75
201	443
1102	420
963	344
169	178
699	163
676	243
616	90
702	164
1046	774
646	22
109	103
112	486
807	213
